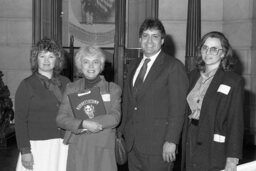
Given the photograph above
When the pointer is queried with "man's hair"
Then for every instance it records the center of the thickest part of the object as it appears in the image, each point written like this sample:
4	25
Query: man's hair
151	23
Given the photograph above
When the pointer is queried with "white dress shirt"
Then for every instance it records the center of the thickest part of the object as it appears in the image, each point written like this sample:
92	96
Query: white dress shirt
150	63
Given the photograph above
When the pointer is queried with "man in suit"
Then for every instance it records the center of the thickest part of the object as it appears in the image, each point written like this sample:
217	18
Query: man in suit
153	103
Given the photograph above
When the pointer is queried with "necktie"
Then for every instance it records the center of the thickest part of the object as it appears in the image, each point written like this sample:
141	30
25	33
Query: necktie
139	80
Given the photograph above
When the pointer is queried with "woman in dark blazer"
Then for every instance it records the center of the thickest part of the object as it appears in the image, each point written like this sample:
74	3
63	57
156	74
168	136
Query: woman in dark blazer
91	140
213	130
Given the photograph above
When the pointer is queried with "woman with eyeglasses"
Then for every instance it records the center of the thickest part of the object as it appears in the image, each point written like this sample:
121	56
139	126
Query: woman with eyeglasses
213	131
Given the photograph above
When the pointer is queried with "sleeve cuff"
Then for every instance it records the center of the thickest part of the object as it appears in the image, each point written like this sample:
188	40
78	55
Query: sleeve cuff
25	150
232	160
81	125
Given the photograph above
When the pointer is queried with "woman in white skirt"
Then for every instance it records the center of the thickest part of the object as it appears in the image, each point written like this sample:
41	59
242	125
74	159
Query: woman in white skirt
37	102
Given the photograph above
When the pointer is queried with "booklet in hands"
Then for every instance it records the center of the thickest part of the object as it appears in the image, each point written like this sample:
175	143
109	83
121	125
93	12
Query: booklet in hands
87	104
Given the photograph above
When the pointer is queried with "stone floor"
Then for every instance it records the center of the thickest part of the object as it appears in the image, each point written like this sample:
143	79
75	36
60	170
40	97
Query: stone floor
8	157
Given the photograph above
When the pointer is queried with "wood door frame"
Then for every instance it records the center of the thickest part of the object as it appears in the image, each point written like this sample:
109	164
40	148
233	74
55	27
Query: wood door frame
46	20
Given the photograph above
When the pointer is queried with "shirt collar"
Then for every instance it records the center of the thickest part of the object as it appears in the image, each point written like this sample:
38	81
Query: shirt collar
206	76
152	58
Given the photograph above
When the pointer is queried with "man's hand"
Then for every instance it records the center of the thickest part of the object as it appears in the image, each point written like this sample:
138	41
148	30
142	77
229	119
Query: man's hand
92	126
169	152
231	164
27	161
230	167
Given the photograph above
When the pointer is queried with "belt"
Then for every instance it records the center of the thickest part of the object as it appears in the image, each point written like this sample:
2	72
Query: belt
194	122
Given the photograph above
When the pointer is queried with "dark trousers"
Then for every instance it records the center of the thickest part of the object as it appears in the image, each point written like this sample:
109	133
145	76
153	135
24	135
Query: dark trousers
138	161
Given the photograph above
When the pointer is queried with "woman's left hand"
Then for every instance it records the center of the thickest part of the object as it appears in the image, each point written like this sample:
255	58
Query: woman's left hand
169	152
230	166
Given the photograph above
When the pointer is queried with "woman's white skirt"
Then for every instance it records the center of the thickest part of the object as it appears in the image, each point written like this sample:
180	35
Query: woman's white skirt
49	155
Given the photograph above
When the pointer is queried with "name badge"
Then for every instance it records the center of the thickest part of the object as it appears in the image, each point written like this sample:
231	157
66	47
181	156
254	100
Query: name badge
219	138
224	89
106	97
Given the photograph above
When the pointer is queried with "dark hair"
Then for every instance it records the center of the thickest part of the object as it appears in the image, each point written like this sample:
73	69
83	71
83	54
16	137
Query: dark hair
47	45
227	62
152	24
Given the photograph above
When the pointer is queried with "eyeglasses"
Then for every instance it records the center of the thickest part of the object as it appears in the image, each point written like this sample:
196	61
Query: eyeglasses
213	50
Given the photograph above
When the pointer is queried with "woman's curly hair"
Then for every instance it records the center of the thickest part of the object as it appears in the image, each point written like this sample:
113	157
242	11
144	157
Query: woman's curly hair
47	45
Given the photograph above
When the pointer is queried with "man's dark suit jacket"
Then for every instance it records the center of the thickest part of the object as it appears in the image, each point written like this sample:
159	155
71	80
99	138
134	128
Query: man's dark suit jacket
156	114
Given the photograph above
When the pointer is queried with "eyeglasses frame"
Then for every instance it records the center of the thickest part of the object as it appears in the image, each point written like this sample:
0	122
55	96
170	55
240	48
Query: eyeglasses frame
205	51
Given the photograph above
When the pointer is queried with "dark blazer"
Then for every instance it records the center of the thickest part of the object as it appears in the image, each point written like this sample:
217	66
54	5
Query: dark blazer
156	114
221	114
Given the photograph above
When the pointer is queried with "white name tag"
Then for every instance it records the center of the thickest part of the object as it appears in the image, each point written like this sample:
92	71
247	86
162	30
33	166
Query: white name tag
106	97
224	89
219	138
85	93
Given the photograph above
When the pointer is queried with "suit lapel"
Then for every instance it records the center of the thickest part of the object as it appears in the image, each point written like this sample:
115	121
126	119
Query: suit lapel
152	74
131	75
79	86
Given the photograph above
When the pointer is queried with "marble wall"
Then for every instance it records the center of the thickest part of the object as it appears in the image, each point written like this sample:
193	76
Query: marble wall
239	26
15	41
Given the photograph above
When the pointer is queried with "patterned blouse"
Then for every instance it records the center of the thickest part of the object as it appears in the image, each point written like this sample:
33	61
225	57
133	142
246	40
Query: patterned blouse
196	95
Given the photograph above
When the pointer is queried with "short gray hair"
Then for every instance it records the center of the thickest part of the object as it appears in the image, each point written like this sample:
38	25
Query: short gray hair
89	51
